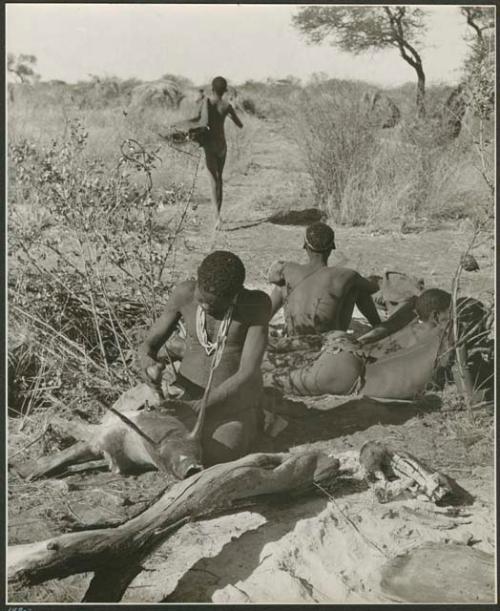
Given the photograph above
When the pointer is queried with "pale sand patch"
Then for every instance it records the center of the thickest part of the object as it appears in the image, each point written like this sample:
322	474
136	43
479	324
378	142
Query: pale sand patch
314	550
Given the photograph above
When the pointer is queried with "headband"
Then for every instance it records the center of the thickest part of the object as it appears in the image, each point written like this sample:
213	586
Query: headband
331	246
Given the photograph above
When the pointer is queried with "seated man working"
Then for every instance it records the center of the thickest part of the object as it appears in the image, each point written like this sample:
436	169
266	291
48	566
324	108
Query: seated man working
317	298
221	316
345	367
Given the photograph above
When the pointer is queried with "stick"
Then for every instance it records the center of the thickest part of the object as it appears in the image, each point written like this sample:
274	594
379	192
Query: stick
127	422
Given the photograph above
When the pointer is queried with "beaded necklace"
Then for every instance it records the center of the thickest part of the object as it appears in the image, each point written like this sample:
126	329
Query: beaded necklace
220	340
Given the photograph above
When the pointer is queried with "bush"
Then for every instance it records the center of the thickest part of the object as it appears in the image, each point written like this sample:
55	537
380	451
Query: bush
337	141
90	266
365	175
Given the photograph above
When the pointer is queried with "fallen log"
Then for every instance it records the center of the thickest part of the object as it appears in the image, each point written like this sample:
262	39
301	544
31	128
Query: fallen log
116	551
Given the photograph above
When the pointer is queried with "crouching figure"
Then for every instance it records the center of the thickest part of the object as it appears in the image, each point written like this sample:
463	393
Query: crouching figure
217	412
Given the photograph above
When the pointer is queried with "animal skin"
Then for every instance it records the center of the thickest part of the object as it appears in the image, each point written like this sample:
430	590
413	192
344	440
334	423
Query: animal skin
165	443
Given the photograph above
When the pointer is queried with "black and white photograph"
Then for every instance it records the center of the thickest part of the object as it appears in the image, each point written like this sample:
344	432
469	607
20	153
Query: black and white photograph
250	304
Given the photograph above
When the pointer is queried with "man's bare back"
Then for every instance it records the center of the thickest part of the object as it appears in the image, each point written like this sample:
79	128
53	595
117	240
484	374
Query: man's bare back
317	299
214	114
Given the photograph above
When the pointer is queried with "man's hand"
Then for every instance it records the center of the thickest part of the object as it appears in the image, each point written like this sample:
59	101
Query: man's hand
372	336
151	371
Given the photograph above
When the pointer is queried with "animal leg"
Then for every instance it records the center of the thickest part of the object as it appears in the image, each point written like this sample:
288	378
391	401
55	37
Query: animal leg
48	465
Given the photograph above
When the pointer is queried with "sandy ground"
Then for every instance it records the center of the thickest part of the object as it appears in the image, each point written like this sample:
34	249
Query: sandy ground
337	547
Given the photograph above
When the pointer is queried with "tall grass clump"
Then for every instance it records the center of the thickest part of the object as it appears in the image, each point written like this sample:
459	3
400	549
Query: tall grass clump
90	261
337	143
363	174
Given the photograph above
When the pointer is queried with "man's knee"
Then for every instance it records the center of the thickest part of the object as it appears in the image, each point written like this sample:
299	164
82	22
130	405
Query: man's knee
229	441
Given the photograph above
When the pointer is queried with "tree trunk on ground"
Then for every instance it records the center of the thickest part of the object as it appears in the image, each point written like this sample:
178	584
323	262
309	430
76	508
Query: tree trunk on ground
115	554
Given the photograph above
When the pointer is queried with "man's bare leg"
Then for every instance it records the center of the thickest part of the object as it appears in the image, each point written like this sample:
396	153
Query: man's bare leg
212	164
230	439
221	160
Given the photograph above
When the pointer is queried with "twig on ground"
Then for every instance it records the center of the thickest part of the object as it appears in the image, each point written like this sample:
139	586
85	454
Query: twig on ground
32	442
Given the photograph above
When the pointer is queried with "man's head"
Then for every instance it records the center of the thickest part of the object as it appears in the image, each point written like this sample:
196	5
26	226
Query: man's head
319	238
219	85
220	278
433	306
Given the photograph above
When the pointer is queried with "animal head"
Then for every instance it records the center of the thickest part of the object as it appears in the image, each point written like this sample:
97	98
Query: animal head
176	450
181	456
396	289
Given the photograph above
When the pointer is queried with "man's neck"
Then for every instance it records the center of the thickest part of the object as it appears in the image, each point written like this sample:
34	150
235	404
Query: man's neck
317	259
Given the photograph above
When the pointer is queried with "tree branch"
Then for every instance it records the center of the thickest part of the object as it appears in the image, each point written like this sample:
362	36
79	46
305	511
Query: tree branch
120	550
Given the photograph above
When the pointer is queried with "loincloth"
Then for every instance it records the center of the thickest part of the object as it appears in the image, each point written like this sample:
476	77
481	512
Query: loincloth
338	342
291	352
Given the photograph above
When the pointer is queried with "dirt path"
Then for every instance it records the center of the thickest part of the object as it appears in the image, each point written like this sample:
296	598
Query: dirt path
273	178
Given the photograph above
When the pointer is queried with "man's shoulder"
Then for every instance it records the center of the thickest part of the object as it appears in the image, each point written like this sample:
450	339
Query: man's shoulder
254	305
343	273
183	293
280	268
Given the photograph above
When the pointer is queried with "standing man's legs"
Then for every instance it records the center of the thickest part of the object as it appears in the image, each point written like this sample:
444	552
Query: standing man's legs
215	166
212	164
221	160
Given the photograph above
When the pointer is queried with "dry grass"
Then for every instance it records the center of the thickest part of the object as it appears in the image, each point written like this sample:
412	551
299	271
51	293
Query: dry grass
366	175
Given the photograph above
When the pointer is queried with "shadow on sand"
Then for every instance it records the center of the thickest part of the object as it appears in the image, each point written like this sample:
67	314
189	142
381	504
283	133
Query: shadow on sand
308	425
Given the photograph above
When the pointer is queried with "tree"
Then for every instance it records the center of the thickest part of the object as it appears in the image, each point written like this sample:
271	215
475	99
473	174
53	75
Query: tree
479	85
357	29
23	67
479	18
479	66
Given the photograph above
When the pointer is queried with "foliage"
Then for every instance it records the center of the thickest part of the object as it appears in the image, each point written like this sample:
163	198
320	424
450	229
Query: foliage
90	270
479	67
365	175
181	81
336	140
357	29
23	67
479	86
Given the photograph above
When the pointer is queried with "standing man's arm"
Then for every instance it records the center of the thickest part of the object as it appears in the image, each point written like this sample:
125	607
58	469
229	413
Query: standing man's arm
234	117
204	112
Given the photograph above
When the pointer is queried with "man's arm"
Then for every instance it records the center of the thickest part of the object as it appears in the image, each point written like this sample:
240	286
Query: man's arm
399	319
277	300
276	275
250	361
161	330
234	116
365	302
203	116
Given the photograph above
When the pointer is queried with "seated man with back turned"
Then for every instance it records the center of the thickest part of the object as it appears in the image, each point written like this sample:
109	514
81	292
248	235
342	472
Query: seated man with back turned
317	298
217	310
